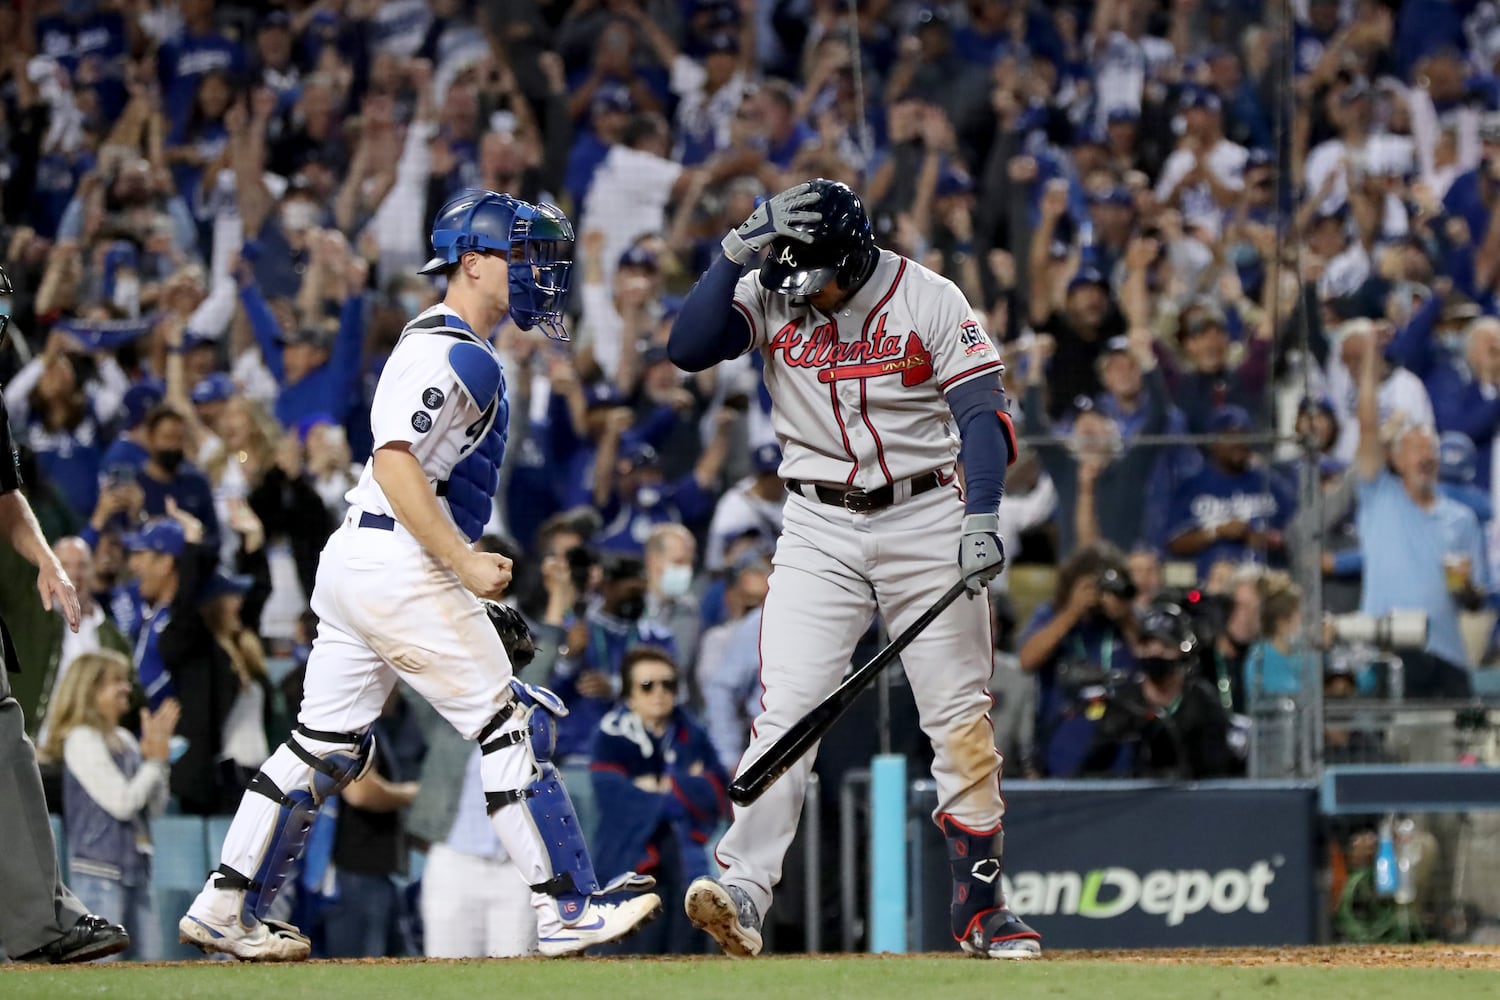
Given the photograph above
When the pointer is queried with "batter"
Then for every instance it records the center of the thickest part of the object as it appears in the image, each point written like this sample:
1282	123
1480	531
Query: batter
398	593
877	370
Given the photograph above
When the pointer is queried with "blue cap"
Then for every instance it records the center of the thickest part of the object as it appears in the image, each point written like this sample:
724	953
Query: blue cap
654	355
602	394
1087	276
1200	97
1229	419
223	584
1328	467
766	458
952	181
720	43
1113	196
612	97
214	389
1118	115
639	256
934	15
1258	157
639	454
1093	135
160	535
305	426
121	253
1310	403
1457	457
139	399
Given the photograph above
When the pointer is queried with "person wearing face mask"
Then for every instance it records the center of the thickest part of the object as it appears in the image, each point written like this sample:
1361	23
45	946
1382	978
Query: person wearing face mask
670	598
639	497
587	678
168	476
1231	510
1167	721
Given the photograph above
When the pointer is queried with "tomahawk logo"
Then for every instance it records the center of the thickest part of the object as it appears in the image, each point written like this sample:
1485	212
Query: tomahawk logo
786	257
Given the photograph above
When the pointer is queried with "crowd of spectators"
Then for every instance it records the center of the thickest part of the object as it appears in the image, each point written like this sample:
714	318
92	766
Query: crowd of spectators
1195	227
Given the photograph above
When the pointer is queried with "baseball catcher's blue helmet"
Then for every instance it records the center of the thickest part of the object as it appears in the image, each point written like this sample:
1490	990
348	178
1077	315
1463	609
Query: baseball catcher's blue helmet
843	247
536	235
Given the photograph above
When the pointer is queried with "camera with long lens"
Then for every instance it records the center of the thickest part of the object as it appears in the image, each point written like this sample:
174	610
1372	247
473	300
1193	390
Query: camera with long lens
581	562
1208	613
1394	630
1117	583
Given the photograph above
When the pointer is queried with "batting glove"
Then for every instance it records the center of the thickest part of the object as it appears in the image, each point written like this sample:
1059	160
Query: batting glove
784	215
981	553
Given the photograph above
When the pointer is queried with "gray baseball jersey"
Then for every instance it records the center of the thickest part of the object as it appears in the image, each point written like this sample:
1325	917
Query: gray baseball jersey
858	396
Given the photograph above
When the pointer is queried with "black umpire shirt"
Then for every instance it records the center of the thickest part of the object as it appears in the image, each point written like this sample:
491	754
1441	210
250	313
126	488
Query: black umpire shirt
10	481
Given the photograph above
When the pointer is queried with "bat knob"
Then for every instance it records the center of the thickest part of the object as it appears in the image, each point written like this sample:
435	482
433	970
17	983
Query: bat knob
742	794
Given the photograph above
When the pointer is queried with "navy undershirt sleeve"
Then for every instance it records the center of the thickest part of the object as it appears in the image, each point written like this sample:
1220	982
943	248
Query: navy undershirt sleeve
985	452
709	329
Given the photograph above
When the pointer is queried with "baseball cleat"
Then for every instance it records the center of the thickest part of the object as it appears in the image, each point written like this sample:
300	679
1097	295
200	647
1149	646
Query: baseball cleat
267	941
601	923
1001	934
727	914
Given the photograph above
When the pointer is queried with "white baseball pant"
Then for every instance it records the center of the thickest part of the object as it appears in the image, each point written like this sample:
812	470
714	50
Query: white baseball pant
385	607
475	907
832	570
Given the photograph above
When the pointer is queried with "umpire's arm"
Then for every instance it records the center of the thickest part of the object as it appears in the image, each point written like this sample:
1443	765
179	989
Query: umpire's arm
19	527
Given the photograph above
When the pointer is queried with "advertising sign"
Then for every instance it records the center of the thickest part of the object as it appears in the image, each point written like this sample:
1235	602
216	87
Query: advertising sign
1141	866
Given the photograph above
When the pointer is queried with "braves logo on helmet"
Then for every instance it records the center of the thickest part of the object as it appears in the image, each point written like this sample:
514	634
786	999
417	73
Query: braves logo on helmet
785	257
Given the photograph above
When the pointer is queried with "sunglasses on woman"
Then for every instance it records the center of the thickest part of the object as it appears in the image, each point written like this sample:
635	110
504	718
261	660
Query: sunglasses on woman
669	685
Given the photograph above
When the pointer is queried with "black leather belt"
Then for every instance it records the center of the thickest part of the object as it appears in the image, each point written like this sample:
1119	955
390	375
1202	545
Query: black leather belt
864	501
380	522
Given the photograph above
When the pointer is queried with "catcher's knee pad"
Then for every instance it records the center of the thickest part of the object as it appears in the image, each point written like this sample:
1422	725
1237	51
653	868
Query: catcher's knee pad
303	772
531	729
975	859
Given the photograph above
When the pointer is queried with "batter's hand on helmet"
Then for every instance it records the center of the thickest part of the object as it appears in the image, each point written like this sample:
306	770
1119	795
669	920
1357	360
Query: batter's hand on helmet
784	215
981	553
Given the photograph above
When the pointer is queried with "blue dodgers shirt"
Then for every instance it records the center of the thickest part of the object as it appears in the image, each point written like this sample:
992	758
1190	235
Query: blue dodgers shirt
1403	547
1213	498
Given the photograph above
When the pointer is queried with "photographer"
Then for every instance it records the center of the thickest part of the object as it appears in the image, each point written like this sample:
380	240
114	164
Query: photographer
1167	721
1088	624
587	674
569	573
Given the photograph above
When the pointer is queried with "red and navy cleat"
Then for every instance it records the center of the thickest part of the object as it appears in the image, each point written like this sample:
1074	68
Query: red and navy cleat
1001	934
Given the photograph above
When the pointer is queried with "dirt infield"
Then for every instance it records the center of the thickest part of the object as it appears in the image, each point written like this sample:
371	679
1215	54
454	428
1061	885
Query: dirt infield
1474	957
1350	956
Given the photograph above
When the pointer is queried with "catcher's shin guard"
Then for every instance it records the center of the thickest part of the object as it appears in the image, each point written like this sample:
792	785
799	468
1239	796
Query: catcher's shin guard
528	804
270	829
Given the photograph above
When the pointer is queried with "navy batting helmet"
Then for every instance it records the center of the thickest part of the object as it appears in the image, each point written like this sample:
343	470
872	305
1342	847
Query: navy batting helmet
539	235
842	248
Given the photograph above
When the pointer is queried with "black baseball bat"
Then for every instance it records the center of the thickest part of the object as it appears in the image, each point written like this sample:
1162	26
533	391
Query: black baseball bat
752	782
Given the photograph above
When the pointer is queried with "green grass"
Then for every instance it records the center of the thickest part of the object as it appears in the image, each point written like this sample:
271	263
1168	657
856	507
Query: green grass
863	978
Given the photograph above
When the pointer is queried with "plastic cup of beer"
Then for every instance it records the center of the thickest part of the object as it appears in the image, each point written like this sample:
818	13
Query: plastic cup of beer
1456	571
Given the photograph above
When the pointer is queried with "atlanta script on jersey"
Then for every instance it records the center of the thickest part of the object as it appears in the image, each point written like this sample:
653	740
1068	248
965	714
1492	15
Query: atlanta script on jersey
858	395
